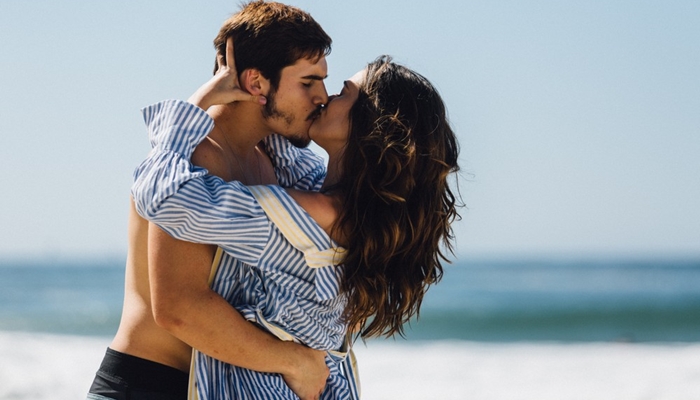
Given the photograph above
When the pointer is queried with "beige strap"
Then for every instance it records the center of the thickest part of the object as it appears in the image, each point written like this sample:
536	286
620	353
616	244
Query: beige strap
192	393
280	216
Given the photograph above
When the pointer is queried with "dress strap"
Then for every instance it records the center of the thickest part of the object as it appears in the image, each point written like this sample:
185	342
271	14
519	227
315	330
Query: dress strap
283	220
215	264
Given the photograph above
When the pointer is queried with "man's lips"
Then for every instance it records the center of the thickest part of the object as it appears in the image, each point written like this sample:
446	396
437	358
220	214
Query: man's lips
314	114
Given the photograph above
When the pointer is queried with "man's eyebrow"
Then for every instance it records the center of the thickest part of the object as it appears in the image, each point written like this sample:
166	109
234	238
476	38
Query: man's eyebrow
315	77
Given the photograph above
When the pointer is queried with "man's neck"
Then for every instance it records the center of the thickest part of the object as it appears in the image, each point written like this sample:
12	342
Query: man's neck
242	125
237	132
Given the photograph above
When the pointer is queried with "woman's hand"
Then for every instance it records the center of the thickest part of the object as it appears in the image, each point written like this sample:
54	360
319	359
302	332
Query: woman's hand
223	87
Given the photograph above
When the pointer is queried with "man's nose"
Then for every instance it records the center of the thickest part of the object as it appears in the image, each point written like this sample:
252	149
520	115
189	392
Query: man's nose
321	96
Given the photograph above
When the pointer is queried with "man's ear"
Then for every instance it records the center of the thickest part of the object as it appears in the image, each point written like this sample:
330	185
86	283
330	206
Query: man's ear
253	82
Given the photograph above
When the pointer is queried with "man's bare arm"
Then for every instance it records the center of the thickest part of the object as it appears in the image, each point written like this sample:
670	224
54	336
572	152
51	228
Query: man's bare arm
184	305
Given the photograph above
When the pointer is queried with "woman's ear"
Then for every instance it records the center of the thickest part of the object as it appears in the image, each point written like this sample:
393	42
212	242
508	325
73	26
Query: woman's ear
253	82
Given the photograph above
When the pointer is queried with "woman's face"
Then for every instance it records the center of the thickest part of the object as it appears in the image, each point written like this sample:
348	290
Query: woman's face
331	129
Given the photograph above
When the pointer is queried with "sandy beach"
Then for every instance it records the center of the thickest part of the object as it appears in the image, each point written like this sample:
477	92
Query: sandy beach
46	366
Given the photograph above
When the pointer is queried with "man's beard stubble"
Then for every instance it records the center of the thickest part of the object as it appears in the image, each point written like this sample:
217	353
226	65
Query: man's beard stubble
270	111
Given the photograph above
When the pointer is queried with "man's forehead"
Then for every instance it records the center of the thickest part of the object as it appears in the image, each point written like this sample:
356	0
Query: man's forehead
307	68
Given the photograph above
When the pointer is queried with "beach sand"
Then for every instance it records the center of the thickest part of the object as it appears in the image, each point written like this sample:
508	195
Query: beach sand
38	367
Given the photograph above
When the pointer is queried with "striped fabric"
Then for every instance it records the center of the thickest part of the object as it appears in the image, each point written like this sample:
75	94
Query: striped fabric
274	280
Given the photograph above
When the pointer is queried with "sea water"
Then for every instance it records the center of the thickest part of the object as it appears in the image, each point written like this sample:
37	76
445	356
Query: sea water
489	301
608	300
83	298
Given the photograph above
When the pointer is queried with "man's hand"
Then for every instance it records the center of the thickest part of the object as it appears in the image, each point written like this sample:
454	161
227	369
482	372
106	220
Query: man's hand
223	88
308	378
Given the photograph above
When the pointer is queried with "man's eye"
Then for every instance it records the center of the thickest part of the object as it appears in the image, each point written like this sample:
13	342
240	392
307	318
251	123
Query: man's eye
308	85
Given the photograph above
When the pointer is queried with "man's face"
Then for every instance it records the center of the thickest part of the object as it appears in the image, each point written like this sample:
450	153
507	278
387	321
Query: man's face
291	109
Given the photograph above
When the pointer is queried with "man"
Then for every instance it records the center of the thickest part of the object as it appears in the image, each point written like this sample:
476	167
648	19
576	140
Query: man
168	306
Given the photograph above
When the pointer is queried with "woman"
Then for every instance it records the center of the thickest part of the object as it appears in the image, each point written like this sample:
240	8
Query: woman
361	253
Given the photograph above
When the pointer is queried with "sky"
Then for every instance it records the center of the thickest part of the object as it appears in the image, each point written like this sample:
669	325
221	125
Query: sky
578	121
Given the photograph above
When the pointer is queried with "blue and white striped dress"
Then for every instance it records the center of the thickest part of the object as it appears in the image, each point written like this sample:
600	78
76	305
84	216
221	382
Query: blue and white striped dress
278	266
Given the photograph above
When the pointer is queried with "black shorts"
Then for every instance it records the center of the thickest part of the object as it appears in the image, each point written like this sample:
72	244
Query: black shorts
125	377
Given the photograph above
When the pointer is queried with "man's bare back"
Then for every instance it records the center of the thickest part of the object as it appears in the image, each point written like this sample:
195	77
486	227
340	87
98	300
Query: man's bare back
138	333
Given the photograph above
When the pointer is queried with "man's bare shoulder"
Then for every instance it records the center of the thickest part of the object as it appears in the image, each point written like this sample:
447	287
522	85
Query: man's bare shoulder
210	155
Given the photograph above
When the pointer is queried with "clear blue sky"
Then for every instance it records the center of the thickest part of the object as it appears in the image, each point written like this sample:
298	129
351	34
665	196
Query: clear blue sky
579	121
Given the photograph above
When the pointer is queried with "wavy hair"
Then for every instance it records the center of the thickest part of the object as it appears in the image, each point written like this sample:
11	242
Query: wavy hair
398	205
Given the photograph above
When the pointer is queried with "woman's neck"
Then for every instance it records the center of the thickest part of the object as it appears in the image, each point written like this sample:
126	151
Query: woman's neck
334	170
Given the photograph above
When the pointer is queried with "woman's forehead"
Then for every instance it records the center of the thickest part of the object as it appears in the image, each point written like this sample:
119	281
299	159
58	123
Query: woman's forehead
359	77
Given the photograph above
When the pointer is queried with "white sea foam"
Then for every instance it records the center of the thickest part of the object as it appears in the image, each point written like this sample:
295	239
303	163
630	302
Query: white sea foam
42	367
524	371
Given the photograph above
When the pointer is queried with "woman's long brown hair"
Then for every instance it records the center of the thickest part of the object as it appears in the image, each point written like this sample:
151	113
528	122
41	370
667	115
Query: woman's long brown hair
398	204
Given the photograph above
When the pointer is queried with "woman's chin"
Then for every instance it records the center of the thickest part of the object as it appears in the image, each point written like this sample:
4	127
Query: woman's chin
314	129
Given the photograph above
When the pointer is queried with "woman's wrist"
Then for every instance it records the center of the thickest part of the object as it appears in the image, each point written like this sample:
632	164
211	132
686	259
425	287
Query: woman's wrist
199	100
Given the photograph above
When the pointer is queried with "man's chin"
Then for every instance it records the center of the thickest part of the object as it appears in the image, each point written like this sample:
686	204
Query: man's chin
299	142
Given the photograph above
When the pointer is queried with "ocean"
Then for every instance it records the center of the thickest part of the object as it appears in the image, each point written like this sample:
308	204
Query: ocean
491	330
486	301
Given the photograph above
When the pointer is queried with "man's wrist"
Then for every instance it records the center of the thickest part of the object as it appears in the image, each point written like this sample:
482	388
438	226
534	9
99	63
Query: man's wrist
292	362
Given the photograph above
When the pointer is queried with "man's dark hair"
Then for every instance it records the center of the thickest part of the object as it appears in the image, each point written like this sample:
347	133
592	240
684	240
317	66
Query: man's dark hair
269	36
